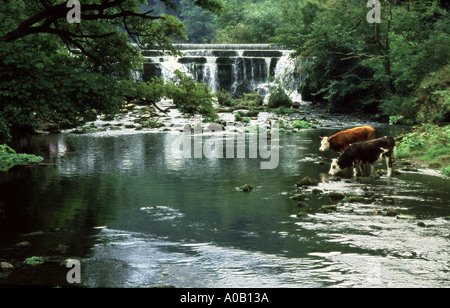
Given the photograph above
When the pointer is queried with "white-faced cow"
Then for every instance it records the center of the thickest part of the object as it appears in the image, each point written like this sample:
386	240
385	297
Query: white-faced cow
340	141
372	151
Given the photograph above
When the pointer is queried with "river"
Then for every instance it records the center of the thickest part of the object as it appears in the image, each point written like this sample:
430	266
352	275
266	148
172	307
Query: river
136	216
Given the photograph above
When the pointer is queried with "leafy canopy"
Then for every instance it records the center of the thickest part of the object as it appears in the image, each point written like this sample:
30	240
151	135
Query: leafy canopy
66	73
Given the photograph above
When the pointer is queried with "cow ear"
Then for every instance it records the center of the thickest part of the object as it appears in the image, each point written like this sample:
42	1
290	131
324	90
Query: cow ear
321	137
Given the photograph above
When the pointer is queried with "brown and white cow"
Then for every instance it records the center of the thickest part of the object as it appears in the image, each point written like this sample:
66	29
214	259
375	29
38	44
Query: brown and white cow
371	151
340	141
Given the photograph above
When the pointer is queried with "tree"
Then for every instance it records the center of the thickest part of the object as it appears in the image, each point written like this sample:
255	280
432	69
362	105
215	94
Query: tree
374	67
62	72
247	21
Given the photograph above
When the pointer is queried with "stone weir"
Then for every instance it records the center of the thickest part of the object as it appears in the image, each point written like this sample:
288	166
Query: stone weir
240	68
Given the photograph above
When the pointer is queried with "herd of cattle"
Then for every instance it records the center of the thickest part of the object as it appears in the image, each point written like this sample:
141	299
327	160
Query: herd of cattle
358	146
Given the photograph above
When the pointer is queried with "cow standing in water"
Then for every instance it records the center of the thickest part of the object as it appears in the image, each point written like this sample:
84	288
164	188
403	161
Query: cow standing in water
340	141
371	152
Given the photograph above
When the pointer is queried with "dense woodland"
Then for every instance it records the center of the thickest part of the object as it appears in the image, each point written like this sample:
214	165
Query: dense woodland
397	69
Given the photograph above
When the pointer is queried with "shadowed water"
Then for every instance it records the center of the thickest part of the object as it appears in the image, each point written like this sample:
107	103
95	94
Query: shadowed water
137	217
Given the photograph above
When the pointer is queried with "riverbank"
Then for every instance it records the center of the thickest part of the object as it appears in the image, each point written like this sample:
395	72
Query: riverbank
427	146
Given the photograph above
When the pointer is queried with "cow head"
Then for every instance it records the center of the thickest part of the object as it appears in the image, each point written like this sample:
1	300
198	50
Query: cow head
334	169
325	144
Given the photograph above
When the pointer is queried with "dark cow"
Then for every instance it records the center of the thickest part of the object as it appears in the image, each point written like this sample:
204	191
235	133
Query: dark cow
340	141
371	152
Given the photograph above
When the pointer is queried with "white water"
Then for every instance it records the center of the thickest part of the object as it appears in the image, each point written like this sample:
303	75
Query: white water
236	68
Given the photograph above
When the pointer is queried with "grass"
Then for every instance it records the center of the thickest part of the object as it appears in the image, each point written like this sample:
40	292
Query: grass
429	144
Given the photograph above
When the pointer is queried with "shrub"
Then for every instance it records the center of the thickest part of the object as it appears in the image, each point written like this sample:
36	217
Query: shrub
302	124
253	99
9	158
191	96
279	98
225	98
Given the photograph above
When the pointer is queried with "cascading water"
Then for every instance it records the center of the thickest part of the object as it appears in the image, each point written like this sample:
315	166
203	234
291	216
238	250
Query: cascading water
238	69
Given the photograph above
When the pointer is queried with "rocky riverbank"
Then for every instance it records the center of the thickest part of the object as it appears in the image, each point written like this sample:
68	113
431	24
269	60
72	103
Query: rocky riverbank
135	118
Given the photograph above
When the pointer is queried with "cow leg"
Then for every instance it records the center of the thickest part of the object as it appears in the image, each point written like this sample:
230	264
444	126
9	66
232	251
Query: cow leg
389	165
355	169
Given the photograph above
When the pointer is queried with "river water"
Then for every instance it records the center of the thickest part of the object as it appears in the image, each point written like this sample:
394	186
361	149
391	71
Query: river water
136	216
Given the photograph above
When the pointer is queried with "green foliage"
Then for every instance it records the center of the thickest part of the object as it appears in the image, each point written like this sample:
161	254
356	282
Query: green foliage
35	260
356	66
224	98
428	143
254	99
247	21
446	171
9	158
54	71
302	124
191	96
433	97
278	97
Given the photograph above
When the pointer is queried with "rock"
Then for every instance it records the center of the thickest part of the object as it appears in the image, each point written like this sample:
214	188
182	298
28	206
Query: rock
391	212
354	199
23	244
421	224
302	214
328	208
6	267
300	197
335	179
334	195
246	188
307	181
302	204
402	216
388	200
130	106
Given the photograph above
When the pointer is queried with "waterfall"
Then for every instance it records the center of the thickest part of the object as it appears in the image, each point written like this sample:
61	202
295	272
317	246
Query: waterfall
237	68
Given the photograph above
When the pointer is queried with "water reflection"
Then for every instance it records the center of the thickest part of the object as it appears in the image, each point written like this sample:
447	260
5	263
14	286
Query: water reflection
184	222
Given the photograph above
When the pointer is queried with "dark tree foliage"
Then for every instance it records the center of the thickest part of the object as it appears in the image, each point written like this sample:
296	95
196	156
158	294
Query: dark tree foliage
373	67
67	73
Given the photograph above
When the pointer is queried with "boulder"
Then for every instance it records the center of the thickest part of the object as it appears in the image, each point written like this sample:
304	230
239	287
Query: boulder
334	195
300	197
391	212
302	214
307	181
6	267
246	188
329	208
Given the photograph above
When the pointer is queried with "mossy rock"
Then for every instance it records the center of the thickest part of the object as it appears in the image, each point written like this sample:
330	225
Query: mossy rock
302	204
300	197
307	181
302	214
409	168
391	212
329	208
335	179
334	195
355	199
247	188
